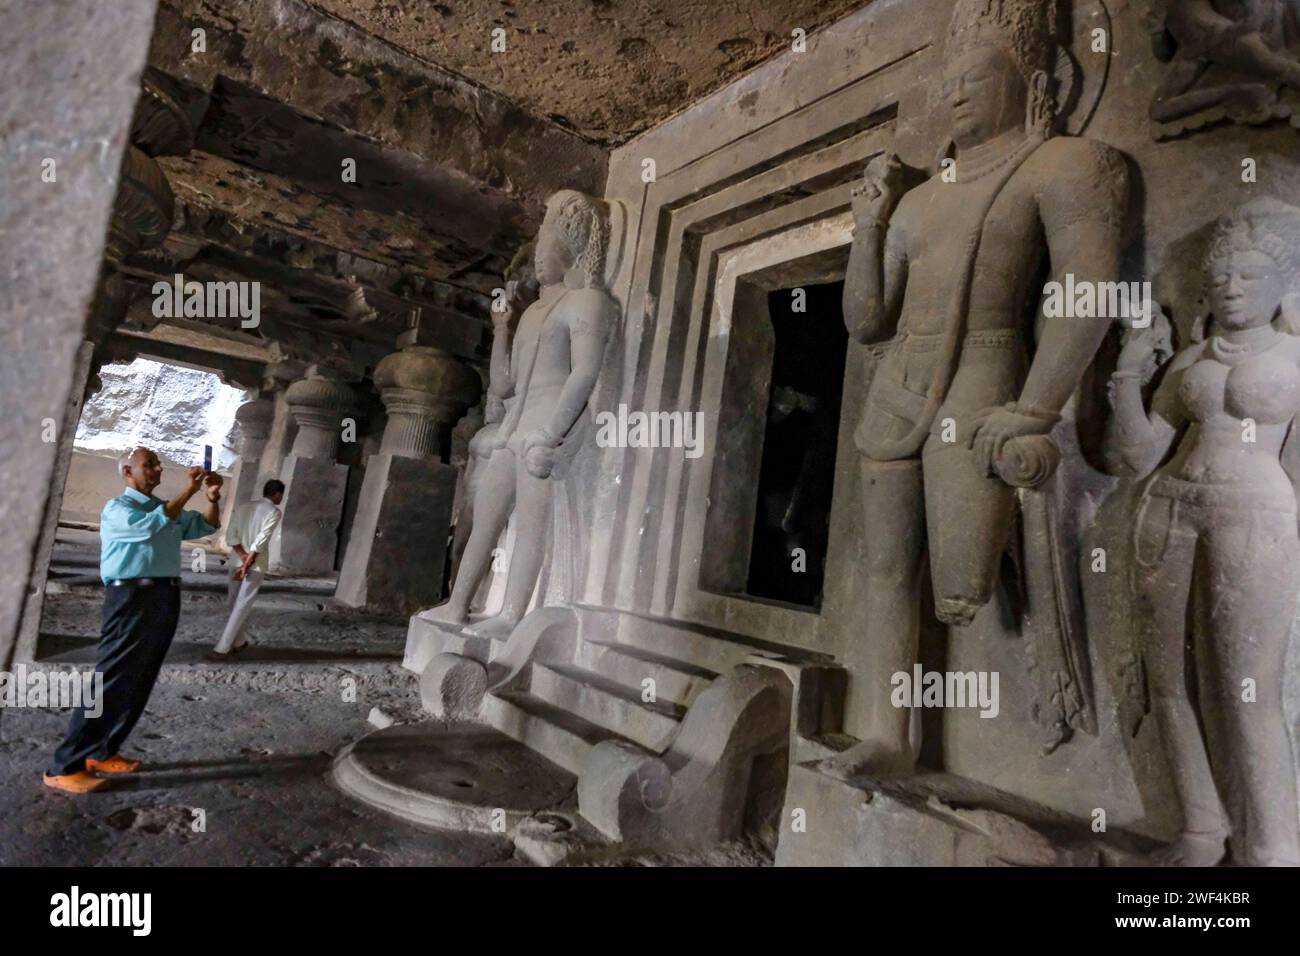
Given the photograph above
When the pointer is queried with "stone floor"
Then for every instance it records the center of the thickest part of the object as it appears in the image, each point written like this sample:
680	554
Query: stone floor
248	743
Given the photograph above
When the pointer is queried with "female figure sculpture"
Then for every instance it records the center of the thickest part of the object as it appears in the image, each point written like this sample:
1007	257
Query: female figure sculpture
555	360
1216	568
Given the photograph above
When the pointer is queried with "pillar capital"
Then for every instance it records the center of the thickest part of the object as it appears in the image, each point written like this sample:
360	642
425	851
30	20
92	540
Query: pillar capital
424	391
317	402
253	421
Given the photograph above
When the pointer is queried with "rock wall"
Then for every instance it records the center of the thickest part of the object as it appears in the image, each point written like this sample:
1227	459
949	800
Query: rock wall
173	410
53	232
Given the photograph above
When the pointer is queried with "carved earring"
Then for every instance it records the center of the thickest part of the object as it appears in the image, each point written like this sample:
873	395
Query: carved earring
1038	107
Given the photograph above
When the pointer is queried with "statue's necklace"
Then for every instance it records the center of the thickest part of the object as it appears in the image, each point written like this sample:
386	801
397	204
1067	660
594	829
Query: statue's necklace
990	157
1234	353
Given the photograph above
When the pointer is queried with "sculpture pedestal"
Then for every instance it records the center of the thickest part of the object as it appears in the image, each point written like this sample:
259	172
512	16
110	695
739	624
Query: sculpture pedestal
308	536
465	777
934	819
398	544
426	638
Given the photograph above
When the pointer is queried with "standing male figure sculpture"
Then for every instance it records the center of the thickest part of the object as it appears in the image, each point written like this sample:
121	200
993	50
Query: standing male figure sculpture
556	357
520	292
957	412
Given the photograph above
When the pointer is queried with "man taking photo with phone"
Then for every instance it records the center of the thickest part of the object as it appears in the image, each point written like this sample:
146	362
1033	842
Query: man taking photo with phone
140	564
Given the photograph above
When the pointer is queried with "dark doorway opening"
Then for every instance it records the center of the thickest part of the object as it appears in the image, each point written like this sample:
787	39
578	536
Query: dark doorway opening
796	478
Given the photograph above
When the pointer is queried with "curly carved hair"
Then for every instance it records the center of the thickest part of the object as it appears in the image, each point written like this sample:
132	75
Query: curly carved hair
584	231
1262	225
1024	29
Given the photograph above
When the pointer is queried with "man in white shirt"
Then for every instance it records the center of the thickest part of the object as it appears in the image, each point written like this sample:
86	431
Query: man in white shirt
249	536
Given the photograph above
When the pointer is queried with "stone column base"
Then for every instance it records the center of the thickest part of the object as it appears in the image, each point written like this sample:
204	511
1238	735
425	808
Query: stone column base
398	544
308	536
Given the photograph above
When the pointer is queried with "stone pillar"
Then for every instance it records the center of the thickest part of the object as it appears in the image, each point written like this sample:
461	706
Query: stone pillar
253	421
30	624
398	545
105	199
315	484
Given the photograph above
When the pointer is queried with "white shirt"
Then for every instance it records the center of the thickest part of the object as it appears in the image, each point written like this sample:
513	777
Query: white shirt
252	525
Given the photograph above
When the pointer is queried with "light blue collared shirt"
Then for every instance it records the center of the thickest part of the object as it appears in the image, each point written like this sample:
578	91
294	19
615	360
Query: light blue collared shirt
138	540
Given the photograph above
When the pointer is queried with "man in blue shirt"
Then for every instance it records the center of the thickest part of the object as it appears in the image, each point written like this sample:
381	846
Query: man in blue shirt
140	563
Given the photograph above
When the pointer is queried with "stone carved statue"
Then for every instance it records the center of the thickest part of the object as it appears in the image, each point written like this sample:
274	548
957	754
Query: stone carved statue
1233	59
520	292
1216	564
555	359
941	281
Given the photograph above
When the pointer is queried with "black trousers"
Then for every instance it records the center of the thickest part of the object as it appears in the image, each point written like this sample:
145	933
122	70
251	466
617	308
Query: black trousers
139	624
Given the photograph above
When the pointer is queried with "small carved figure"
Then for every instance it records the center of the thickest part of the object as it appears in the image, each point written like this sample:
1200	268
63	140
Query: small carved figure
957	414
554	363
1233	56
1216	567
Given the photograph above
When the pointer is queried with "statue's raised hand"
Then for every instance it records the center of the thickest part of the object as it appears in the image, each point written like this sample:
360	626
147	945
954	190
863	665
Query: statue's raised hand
875	197
1146	349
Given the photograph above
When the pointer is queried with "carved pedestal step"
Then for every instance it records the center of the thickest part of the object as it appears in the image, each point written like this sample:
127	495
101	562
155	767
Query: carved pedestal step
674	681
935	819
556	734
679	735
426	638
604	690
708	650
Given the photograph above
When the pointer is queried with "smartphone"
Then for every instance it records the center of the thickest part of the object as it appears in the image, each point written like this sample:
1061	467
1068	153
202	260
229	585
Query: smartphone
207	457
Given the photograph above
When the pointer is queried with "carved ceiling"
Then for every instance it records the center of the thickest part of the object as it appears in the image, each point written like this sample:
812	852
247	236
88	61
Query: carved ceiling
608	69
455	149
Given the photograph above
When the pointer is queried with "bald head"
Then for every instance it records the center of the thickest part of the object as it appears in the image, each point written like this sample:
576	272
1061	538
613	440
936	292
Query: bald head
141	469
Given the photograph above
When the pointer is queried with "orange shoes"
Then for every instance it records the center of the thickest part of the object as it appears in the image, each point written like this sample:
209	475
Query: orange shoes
118	764
79	782
85	781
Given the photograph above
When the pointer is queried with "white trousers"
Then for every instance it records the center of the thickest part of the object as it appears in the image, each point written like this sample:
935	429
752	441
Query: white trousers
242	595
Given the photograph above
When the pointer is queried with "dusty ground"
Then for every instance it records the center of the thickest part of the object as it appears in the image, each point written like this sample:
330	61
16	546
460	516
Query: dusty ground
249	744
